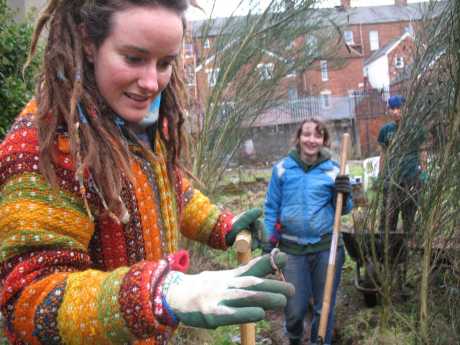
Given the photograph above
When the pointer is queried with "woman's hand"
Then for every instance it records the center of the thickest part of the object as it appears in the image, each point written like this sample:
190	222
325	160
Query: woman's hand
342	185
218	298
248	220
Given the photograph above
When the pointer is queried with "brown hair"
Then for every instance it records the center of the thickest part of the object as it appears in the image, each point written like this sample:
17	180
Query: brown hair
320	129
67	87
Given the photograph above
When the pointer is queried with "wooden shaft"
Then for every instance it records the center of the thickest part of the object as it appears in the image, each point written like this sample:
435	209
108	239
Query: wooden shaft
242	246
334	244
243	242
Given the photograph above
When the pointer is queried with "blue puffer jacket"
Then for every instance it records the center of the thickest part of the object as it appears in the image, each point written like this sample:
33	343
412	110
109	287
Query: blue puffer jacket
302	201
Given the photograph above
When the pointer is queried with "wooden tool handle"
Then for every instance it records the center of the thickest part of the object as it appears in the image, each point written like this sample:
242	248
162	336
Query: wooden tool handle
243	242
242	246
333	252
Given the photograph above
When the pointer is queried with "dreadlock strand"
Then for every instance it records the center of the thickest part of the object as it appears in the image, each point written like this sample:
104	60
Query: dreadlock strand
41	22
80	118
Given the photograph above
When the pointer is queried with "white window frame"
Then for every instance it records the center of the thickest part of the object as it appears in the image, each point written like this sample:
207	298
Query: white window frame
324	70
399	61
374	43
188	47
348	37
190	73
206	44
409	29
213	74
325	97
311	43
266	70
292	93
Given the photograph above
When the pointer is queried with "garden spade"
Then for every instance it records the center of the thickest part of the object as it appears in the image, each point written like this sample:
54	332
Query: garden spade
333	252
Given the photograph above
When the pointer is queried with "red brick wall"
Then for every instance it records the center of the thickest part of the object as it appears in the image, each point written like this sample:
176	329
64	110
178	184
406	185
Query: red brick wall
405	49
387	32
343	76
368	129
371	115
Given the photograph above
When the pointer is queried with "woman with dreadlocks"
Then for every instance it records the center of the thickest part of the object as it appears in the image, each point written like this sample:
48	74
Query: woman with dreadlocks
92	197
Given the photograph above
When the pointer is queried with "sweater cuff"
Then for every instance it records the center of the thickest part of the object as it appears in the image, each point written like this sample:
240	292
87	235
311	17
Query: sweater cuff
178	261
140	304
220	230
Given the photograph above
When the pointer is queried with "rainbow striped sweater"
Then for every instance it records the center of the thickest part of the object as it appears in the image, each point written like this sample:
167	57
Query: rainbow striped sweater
67	279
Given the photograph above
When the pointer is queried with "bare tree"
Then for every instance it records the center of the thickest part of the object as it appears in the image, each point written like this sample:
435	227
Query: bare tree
431	112
251	56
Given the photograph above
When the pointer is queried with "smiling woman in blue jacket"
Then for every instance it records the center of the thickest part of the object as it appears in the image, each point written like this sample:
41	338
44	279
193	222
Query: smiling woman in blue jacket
299	218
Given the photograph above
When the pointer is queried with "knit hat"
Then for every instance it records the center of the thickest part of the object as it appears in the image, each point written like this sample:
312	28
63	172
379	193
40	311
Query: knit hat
396	102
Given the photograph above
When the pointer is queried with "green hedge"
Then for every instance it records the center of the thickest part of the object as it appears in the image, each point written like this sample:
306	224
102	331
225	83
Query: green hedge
15	89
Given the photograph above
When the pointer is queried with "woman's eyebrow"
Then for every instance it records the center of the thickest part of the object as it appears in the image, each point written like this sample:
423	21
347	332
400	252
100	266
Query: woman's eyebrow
136	48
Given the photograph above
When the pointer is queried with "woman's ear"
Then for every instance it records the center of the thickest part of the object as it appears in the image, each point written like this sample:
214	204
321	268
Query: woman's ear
88	47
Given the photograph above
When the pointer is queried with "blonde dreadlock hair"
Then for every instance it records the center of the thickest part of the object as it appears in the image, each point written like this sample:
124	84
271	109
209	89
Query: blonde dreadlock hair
67	87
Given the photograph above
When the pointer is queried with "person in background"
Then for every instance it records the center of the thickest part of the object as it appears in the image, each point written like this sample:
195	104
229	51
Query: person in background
400	167
93	198
299	217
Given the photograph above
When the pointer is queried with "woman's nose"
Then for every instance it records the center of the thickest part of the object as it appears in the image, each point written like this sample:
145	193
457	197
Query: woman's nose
149	79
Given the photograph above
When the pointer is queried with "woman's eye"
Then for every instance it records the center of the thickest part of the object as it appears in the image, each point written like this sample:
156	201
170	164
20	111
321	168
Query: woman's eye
162	65
133	60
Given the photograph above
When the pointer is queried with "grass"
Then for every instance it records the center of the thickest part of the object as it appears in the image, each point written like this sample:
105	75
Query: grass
355	168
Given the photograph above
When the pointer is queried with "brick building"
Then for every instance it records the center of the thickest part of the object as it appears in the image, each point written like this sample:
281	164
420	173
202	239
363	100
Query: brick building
365	30
341	84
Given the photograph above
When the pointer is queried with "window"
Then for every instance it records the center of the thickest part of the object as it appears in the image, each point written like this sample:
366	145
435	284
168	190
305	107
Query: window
399	62
265	70
409	29
324	71
348	37
188	47
292	93
374	40
326	99
190	75
213	74
311	44
206	44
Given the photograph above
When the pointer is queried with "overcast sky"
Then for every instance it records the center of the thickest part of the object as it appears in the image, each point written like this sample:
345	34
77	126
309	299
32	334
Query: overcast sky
224	8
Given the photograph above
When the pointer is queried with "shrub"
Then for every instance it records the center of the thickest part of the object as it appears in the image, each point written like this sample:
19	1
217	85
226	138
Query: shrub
15	89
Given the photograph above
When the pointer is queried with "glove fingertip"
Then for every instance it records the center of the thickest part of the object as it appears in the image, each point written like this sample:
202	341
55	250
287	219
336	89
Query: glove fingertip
281	259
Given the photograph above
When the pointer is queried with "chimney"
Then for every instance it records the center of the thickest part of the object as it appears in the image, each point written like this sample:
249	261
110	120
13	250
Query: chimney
346	3
401	2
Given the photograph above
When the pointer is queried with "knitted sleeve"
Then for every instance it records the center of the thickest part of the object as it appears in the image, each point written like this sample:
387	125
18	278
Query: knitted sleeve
201	220
49	293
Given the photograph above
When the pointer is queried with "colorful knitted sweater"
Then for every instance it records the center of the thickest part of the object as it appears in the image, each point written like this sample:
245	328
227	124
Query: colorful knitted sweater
65	279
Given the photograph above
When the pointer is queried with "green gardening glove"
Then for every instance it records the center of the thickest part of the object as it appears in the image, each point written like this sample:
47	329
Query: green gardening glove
248	220
218	298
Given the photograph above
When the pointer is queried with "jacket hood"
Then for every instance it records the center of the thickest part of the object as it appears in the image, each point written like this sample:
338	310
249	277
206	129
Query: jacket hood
324	155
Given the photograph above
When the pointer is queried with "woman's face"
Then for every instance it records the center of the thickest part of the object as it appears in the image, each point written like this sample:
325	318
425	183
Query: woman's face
133	64
310	141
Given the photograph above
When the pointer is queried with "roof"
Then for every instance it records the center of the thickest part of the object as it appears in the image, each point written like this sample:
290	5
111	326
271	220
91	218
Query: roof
297	110
387	48
350	16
